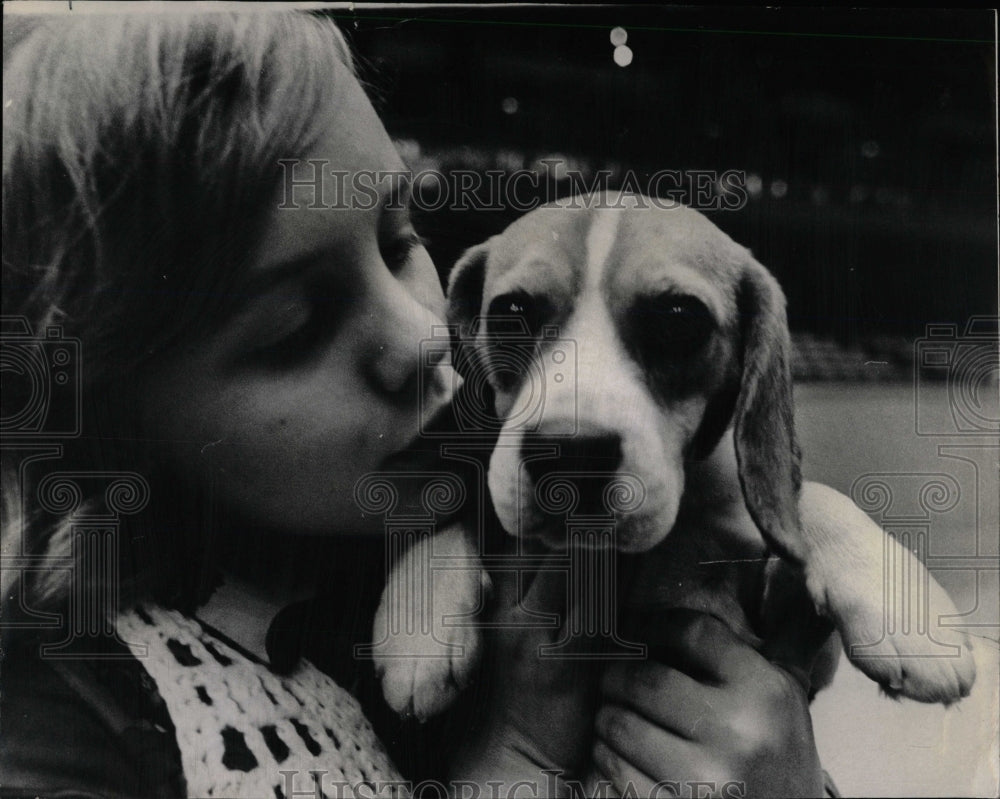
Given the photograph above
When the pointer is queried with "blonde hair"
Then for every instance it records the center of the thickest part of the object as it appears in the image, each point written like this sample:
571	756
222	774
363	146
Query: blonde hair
140	155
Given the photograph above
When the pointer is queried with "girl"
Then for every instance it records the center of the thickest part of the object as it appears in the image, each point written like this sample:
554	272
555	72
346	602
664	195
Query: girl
245	354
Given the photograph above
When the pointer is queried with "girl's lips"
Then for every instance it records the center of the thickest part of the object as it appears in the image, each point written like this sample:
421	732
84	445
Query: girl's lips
440	384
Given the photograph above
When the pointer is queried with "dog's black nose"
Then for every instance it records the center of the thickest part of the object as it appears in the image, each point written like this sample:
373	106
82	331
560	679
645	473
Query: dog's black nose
588	461
581	455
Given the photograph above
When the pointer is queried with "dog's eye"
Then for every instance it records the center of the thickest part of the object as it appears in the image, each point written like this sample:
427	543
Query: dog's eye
517	314
513	326
680	324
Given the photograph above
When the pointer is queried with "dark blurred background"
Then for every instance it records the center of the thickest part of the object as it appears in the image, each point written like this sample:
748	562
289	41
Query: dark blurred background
866	137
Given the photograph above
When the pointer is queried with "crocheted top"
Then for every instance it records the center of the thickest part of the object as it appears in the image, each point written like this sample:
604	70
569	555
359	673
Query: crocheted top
242	730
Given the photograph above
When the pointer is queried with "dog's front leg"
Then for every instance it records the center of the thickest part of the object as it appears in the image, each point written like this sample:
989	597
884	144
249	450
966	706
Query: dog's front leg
885	604
426	644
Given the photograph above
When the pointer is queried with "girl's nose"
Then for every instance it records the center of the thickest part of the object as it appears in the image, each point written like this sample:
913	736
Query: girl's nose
406	348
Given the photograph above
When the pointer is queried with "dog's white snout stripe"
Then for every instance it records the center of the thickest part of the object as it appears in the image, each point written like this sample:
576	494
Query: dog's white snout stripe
600	239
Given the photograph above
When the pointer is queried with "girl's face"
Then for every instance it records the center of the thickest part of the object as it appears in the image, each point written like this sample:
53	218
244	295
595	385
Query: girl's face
316	378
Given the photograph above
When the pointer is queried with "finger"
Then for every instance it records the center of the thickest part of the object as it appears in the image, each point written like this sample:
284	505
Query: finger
600	784
674	772
638	739
705	648
546	589
623	775
530	632
534	594
666	697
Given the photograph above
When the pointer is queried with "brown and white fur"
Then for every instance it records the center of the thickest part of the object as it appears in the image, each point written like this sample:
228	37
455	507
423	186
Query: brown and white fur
682	381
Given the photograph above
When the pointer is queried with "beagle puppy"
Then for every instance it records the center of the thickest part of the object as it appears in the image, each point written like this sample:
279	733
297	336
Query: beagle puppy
630	346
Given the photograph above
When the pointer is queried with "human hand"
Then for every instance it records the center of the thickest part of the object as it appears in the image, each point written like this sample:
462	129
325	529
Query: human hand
712	717
532	720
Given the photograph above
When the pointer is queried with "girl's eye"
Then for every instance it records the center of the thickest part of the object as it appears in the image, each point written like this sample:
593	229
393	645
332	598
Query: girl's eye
396	252
292	333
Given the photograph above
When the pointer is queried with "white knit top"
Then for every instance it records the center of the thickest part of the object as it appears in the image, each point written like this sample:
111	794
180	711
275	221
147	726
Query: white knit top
247	733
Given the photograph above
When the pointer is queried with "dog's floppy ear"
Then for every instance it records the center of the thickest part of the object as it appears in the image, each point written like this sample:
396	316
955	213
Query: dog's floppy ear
465	287
465	299
766	450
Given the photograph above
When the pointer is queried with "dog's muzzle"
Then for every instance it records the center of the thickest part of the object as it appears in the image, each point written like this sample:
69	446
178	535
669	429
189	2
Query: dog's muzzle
587	463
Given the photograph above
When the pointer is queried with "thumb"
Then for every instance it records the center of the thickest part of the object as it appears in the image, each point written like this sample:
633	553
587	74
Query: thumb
533	597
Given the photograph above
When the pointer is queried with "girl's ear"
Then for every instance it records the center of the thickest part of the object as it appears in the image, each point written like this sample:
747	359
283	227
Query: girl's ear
465	288
766	450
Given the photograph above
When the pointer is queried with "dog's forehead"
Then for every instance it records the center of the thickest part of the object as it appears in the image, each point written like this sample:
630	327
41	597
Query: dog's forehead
676	235
625	244
677	249
546	246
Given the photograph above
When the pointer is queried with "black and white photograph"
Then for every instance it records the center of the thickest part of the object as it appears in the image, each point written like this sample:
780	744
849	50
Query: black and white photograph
498	401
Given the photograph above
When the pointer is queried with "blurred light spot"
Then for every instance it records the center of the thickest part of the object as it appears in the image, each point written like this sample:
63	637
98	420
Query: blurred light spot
858	193
510	105
754	185
509	160
618	36
713	130
623	55
779	189
471	157
820	195
870	149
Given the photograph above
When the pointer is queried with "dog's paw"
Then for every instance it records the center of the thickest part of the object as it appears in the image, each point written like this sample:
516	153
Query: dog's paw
885	604
904	648
424	679
422	654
